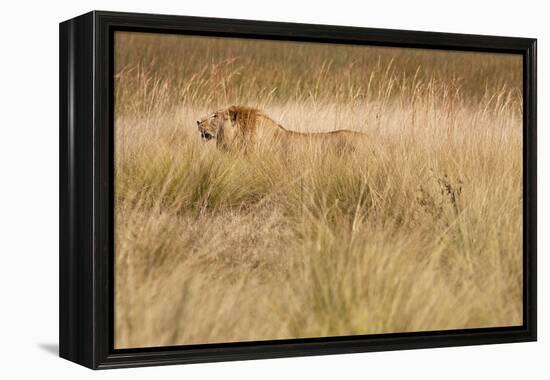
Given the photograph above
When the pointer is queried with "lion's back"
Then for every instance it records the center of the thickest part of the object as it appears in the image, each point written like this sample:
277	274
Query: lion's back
258	129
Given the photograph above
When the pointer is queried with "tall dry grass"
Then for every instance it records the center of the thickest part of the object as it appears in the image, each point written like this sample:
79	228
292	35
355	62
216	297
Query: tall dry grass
420	229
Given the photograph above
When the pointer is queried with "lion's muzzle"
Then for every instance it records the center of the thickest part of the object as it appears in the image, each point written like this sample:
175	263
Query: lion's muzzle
203	130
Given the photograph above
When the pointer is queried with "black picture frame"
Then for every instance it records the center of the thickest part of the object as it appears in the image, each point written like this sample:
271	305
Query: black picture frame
86	189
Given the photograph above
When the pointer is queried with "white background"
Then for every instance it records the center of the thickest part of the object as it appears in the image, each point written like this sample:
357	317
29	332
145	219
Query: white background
29	187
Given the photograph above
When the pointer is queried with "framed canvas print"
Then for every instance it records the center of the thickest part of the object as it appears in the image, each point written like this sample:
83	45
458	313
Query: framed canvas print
237	189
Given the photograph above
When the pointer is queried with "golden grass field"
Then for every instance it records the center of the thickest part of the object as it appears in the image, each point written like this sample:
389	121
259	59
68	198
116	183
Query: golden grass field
418	229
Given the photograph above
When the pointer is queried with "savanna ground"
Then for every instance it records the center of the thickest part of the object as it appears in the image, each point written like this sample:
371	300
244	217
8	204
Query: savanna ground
418	229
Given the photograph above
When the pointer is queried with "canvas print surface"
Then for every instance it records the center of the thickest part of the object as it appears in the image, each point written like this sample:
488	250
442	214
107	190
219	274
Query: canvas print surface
274	190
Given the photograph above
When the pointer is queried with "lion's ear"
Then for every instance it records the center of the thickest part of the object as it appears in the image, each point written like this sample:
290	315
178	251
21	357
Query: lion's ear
233	114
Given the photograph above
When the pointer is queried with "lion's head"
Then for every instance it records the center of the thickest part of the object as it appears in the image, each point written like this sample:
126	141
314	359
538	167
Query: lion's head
213	125
227	125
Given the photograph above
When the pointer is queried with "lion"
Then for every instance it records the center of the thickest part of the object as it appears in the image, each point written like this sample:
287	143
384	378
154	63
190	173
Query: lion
242	127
